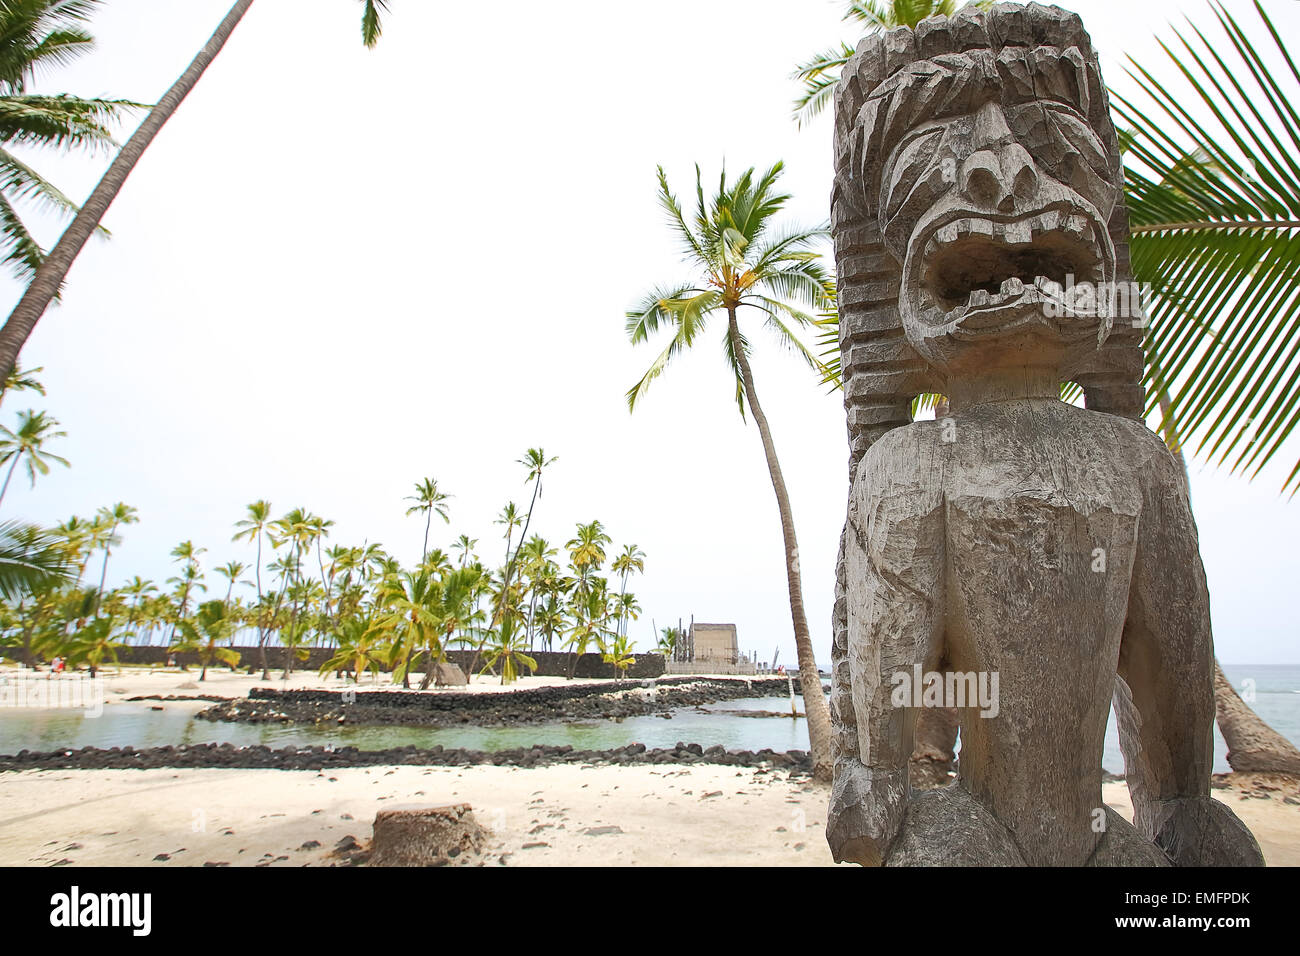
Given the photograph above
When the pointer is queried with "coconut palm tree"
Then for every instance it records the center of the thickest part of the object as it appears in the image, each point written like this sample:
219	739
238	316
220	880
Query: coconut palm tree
30	560
821	72
139	591
465	545
536	462
75	536
91	644
551	618
49	275
630	561
252	527
190	578
206	634
587	550
232	571
360	649
26	445
21	380
113	518
36	35
1212	184
746	267
508	650
428	502
619	653
407	617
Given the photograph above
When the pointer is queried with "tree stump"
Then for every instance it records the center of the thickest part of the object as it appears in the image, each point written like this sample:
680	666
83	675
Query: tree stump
425	836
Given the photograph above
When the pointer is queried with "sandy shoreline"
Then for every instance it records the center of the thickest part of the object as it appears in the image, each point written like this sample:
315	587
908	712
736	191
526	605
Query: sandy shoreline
701	815
136	681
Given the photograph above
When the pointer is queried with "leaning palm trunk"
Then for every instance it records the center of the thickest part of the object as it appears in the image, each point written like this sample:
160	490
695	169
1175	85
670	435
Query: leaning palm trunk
814	701
49	277
1252	744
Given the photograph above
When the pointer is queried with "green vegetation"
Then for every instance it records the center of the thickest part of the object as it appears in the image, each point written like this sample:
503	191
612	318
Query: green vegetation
359	601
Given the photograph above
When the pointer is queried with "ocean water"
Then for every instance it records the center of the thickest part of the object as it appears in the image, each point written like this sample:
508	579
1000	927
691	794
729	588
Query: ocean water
1276	690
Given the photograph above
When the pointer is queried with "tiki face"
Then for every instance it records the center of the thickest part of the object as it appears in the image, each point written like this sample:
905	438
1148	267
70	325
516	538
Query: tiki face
993	204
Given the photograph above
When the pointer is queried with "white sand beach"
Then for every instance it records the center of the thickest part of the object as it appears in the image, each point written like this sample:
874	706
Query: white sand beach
662	815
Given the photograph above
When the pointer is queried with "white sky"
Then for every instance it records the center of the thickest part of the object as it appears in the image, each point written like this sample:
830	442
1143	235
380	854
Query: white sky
337	271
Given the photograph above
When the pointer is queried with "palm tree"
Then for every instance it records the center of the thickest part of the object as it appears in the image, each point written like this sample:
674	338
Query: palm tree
113	518
252	527
428	501
34	36
407	618
211	627
22	380
587	550
510	518
1215	204
551	618
539	567
48	277
820	73
508	650
536	462
189	579
619	653
30	560
26	444
75	534
297	528
590	609
465	545
631	561
92	644
359	649
140	590
232	571
777	275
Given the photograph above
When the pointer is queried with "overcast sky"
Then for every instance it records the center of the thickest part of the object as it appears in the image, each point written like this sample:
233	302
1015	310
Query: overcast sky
337	272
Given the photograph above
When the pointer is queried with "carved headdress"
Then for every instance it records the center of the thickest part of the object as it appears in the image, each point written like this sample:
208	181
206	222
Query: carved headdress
1025	58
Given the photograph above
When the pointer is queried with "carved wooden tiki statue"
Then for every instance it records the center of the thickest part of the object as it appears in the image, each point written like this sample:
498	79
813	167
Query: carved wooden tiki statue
1027	549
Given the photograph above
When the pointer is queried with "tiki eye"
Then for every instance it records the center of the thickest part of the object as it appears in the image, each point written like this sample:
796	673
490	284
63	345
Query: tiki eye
1080	135
910	161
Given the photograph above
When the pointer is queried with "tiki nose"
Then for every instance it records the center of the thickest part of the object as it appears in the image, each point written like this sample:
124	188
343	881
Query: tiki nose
1019	173
981	178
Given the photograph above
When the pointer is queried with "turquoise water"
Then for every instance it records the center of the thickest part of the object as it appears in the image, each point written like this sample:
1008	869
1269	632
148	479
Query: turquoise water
1277	701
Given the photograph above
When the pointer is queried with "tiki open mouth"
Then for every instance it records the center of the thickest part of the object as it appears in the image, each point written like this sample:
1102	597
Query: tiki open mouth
980	274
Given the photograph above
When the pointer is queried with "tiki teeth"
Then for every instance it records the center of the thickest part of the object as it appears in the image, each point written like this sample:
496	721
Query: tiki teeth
1048	287
1012	286
1018	233
979	297
948	233
1048	222
981	227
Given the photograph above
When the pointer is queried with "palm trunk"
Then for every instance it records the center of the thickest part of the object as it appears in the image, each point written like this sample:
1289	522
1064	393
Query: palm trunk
103	572
1252	744
8	475
814	701
49	277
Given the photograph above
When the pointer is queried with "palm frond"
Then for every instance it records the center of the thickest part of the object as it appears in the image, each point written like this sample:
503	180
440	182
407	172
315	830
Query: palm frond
371	24
1213	189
